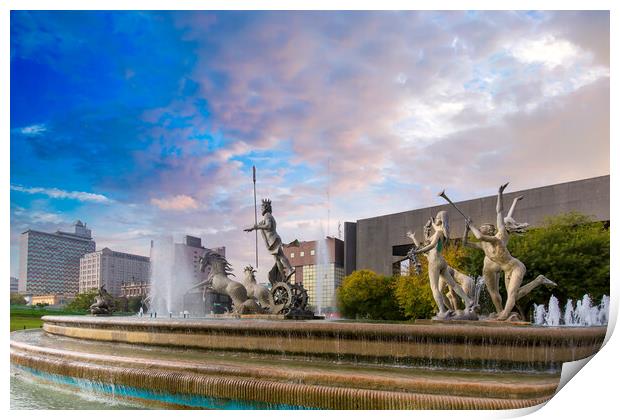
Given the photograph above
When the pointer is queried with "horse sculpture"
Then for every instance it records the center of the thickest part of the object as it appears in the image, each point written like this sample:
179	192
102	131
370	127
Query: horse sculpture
219	282
257	291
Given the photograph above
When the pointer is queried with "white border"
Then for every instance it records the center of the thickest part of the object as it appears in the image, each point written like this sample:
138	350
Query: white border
591	394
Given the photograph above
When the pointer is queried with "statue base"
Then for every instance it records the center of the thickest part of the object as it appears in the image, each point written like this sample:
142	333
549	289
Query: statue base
295	316
482	322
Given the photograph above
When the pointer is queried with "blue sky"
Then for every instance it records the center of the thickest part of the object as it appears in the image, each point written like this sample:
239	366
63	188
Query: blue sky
148	123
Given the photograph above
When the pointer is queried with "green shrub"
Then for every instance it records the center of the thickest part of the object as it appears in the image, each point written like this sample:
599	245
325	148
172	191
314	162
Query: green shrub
82	301
365	294
17	299
414	296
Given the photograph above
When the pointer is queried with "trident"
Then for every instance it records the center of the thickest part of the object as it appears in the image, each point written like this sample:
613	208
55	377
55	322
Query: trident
443	195
255	211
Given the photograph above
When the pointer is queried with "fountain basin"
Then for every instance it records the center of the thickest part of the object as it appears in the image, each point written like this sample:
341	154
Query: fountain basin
464	345
294	364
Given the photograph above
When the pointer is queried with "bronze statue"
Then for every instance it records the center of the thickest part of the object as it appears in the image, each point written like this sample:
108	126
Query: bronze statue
463	280
494	241
103	303
257	291
438	270
282	269
218	281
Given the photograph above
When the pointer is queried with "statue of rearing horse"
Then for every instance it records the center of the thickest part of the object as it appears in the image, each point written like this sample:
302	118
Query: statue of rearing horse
218	281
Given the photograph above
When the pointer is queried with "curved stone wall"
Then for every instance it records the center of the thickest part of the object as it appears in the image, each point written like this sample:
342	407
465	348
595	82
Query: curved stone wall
291	364
466	344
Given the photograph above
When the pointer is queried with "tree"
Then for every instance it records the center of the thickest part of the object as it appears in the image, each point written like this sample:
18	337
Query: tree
82	301
119	304
365	294
17	299
569	249
134	303
414	296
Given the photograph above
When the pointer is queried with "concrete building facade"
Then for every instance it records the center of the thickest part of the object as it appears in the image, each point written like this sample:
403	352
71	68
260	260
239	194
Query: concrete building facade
135	288
319	265
377	243
14	284
111	269
49	263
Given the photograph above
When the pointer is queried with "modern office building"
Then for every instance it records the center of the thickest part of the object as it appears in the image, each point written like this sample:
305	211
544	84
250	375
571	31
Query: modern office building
111	269
49	263
319	265
377	243
14	284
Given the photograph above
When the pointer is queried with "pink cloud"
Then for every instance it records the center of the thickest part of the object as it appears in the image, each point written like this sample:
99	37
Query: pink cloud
176	203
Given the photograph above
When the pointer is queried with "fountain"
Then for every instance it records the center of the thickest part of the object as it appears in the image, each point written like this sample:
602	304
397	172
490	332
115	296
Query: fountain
583	314
268	353
170	277
322	272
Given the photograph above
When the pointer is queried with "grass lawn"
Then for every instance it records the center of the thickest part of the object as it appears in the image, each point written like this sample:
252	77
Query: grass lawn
19	322
24	317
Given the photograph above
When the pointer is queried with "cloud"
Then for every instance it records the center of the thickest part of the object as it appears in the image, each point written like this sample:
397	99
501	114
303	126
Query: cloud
178	202
401	105
547	50
33	130
58	193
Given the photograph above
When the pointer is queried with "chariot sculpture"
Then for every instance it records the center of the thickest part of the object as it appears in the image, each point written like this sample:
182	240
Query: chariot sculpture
285	297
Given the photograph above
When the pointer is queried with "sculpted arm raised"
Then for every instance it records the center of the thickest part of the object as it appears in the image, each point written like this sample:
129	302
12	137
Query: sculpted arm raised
513	205
501	227
411	235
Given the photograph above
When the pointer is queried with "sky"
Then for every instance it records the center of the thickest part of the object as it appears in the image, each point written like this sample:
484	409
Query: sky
144	124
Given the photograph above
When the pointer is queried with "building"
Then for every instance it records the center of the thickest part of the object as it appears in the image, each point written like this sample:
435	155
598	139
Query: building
187	255
51	300
49	263
14	284
378	242
319	265
135	288
111	269
175	268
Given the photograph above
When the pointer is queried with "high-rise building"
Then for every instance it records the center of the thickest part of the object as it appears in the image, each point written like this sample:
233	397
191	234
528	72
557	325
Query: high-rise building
112	269
187	254
175	269
14	284
49	263
319	265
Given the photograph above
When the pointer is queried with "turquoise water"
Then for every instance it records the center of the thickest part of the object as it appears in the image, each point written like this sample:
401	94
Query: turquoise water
30	394
36	390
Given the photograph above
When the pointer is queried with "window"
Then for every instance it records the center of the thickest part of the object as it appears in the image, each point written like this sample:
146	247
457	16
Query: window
292	255
301	254
312	252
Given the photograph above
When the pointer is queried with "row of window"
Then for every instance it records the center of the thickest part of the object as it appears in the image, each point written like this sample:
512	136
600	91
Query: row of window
302	253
